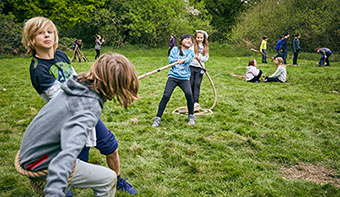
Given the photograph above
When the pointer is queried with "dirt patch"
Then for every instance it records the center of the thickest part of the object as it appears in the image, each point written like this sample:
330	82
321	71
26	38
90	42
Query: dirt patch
309	172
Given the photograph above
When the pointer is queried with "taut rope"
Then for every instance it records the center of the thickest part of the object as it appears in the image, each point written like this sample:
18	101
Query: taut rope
37	179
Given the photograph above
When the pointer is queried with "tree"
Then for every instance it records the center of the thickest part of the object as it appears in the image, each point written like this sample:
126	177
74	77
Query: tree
64	13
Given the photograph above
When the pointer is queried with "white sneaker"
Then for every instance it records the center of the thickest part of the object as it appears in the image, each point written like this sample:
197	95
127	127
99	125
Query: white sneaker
196	104
191	120
156	122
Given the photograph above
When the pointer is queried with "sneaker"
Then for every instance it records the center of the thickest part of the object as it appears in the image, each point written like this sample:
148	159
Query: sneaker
125	186
69	193
191	119
196	104
156	122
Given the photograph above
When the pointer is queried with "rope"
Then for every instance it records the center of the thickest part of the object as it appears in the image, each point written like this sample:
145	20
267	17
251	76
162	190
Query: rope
37	179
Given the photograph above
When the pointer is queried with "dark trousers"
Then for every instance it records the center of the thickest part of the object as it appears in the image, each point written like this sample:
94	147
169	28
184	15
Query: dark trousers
264	58
170	85
272	79
285	56
195	82
256	78
279	53
322	59
170	48
295	57
97	53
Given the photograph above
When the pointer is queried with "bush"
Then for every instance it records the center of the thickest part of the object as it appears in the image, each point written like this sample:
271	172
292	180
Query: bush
10	35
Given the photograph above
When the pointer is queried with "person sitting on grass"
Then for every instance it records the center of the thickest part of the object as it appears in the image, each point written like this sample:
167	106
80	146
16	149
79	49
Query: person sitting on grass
280	74
61	129
50	68
253	74
326	53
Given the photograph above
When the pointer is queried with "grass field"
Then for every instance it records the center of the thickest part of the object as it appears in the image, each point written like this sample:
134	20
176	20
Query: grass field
257	136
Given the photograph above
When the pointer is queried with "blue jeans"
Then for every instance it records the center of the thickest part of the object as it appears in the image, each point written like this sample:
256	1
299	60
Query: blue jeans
264	58
295	56
322	59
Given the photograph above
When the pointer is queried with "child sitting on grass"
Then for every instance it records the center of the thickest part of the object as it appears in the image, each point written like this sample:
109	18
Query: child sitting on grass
50	68
59	132
253	74
280	74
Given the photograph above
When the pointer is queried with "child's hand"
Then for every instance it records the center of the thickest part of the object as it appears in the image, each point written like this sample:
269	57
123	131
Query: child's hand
180	61
197	57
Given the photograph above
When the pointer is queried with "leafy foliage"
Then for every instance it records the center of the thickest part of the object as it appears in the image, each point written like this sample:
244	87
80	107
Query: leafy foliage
10	35
317	22
65	13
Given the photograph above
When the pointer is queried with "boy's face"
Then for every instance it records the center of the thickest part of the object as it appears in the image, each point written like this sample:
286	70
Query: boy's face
187	42
199	37
45	39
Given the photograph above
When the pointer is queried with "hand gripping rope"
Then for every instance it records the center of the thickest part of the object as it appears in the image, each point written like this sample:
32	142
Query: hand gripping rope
37	179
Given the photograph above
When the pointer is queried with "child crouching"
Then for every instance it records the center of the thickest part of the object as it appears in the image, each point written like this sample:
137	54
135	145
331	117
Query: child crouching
55	145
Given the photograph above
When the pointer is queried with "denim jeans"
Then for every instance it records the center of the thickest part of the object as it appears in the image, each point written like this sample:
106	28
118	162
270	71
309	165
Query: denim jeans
295	56
322	59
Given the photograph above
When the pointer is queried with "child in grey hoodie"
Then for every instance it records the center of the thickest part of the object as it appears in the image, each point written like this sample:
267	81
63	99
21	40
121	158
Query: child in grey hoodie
56	136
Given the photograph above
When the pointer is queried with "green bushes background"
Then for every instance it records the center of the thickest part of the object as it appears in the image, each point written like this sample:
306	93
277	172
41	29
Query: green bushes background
150	22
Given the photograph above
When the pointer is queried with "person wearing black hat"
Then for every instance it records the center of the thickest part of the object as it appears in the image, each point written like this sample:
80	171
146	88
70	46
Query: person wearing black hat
179	75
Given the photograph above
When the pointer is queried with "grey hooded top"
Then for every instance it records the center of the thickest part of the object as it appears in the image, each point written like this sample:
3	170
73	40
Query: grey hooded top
58	133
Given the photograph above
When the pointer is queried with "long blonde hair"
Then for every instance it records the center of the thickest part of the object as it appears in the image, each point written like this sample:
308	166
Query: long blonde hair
114	77
281	62
205	45
33	27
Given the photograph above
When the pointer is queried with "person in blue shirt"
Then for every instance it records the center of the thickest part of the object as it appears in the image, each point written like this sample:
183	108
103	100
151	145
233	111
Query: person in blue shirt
278	49
179	75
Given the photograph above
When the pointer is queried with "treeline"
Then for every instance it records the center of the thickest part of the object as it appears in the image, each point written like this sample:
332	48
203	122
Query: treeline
150	22
317	21
120	22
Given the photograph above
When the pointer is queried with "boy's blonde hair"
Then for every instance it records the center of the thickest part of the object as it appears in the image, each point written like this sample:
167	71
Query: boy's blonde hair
33	27
114	77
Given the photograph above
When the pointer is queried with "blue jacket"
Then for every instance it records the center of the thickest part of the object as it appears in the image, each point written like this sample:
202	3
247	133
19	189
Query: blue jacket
278	45
180	71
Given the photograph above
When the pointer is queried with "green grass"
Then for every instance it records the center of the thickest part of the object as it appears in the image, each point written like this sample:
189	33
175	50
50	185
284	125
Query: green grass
255	130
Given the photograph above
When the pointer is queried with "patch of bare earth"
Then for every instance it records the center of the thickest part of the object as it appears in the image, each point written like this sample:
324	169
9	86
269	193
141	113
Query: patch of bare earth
309	172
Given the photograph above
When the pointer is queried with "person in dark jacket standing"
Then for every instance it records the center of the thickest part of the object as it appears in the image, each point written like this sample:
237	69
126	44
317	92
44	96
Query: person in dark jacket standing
296	47
326	53
285	47
172	43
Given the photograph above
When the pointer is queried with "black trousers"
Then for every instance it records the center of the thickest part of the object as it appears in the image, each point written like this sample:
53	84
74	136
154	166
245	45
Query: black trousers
97	53
170	85
195	82
257	78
